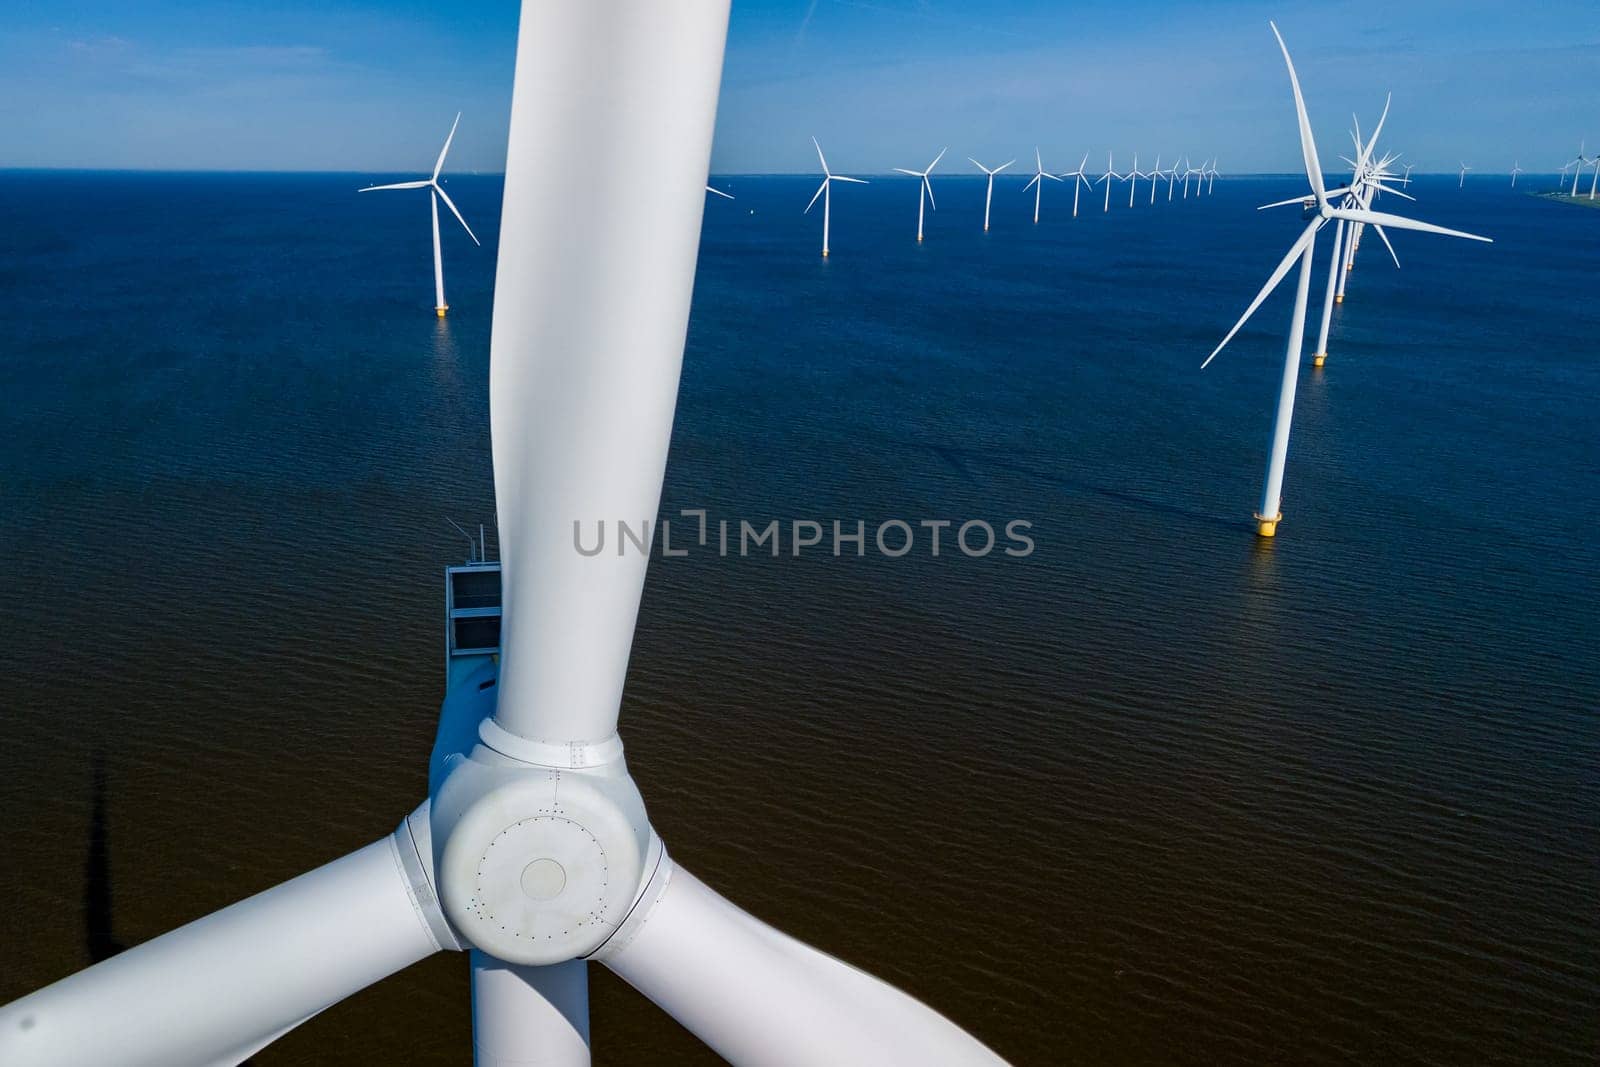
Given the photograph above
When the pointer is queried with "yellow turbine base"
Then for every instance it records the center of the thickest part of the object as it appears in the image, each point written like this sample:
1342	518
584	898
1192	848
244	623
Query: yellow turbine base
1338	298
1349	266
824	252
1268	527
440	311
1319	359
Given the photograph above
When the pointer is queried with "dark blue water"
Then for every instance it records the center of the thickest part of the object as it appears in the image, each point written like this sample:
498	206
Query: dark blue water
1159	792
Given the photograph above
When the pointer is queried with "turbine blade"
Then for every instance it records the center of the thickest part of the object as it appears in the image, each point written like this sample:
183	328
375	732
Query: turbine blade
818	193
980	166
936	158
1031	183
1396	222
1052	177
842	178
757	996
719	192
1283	203
452	206
396	185
902	170
820	156
1308	144
224	986
929	186
1385	238
1294	253
1004	165
1367	153
439	164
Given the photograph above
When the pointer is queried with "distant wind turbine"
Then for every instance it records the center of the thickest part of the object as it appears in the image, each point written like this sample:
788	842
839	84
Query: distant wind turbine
1133	177
1079	181
1037	182
828	178
1577	166
989	196
436	194
925	189
1322	211
1516	169
1461	184
1407	179
1107	178
1155	176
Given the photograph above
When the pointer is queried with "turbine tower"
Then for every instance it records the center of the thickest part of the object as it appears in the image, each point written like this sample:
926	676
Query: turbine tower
824	191
1036	183
533	848
989	196
1516	169
924	188
435	194
1462	182
1321	211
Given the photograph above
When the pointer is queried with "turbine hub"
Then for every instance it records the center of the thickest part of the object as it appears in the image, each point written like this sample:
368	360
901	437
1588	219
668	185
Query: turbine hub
537	865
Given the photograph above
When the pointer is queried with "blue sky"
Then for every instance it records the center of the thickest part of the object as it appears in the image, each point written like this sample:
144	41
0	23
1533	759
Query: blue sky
366	86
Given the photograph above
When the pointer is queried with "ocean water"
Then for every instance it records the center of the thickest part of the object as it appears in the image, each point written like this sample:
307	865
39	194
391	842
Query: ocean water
1157	793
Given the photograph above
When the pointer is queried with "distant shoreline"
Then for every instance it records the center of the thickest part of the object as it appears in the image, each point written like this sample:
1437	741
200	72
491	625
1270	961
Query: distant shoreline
1582	199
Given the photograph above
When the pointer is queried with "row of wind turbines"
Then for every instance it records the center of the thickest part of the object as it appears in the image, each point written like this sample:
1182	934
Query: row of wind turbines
1203	176
1349	208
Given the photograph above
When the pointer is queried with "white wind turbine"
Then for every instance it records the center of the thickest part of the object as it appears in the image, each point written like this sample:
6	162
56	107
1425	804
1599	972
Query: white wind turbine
435	194
1133	177
1407	179
1079	181
823	190
924	188
1461	183
989	196
1155	176
1322	211
533	848
1106	179
1211	173
1594	180
1036	183
1577	166
1172	178
1516	169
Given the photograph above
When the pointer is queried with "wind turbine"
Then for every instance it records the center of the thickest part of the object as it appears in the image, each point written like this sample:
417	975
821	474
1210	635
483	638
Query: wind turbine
1577	165
1594	180
1211	175
1172	178
1133	177
1079	181
533	848
1516	169
1321	211
1461	184
435	194
1407	179
823	190
1155	176
1107	178
989	196
925	189
1037	182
